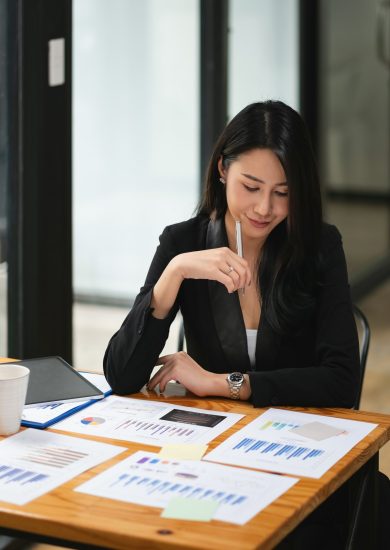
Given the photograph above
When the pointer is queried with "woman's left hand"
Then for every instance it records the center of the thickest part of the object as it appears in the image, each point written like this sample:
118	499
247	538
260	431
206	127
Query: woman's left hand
182	368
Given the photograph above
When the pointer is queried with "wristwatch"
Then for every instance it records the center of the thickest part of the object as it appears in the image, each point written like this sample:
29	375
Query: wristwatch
235	380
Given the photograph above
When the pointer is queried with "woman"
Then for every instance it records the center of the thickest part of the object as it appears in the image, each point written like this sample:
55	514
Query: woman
275	326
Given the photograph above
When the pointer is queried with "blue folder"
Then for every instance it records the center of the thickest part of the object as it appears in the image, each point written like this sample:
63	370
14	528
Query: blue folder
56	408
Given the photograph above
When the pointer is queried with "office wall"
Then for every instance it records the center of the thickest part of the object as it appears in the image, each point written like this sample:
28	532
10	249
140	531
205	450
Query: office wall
355	96
354	137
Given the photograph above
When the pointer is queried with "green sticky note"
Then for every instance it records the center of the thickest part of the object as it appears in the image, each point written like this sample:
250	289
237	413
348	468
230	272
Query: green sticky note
190	508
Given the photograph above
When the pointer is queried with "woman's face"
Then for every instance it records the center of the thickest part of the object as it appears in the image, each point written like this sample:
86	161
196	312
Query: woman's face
256	192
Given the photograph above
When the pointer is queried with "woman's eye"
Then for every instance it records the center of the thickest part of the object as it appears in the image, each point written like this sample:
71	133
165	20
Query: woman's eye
250	189
281	193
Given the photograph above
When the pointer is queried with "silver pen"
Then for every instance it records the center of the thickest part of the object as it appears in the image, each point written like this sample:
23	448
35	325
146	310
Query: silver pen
240	250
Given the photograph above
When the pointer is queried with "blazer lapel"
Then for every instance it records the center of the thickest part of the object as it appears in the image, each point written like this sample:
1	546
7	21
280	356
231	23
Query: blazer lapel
226	309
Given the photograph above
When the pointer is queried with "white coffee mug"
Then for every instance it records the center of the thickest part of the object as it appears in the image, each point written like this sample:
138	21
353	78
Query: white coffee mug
13	390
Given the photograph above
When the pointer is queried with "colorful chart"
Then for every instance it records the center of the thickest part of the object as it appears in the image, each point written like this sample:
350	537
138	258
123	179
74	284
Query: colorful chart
57	457
278	425
10	474
152	484
156	429
92	420
50	406
157	461
248	445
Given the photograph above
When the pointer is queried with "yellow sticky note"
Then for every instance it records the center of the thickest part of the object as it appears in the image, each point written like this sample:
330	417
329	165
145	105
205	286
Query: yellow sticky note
190	508
185	451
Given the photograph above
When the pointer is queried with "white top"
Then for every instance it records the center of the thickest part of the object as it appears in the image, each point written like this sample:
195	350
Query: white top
251	336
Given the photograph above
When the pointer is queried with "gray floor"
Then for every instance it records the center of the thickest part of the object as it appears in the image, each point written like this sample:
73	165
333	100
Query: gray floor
376	388
93	326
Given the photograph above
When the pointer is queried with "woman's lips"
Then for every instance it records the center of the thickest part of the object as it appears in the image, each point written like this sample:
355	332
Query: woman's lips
258	224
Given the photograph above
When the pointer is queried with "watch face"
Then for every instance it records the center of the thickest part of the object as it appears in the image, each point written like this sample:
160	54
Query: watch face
236	377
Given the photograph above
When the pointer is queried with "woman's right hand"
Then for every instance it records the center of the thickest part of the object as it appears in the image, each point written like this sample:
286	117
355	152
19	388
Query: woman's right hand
216	264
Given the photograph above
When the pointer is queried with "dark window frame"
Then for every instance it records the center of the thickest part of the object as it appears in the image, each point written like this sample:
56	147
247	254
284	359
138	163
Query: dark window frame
39	183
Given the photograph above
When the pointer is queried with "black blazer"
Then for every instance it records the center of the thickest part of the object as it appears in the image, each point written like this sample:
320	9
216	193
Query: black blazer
319	367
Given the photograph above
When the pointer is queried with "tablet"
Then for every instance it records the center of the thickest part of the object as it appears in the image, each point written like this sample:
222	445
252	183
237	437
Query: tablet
53	379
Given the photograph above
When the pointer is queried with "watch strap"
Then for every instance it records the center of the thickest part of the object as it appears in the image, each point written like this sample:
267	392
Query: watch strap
235	387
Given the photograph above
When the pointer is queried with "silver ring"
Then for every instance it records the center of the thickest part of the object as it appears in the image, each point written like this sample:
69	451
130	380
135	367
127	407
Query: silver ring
231	268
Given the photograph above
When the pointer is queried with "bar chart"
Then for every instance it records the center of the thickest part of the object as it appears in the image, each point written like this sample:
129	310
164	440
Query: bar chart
55	457
156	429
50	406
277	425
159	487
290	442
19	476
249	445
146	478
34	461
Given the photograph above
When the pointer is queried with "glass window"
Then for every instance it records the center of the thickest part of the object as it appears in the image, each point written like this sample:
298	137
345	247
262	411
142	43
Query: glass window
135	140
263	52
135	135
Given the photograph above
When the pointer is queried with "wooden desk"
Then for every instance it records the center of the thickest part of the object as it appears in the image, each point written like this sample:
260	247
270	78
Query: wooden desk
76	519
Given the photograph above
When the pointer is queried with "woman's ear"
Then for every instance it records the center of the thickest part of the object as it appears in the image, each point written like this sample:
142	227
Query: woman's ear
221	169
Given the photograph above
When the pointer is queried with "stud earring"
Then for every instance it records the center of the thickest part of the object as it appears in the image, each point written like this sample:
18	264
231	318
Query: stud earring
222	181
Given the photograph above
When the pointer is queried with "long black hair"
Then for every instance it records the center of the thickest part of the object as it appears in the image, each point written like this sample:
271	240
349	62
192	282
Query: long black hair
287	272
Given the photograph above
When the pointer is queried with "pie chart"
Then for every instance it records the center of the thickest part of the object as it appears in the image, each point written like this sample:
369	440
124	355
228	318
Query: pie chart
92	420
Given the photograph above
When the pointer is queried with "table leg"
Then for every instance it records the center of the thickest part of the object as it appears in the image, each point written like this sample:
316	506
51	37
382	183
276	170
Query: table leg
363	490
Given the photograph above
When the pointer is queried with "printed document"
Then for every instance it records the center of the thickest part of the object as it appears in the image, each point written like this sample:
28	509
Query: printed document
291	442
34	462
148	479
150	422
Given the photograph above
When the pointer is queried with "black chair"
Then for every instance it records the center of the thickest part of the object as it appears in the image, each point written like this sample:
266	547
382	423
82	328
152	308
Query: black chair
364	343
181	338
